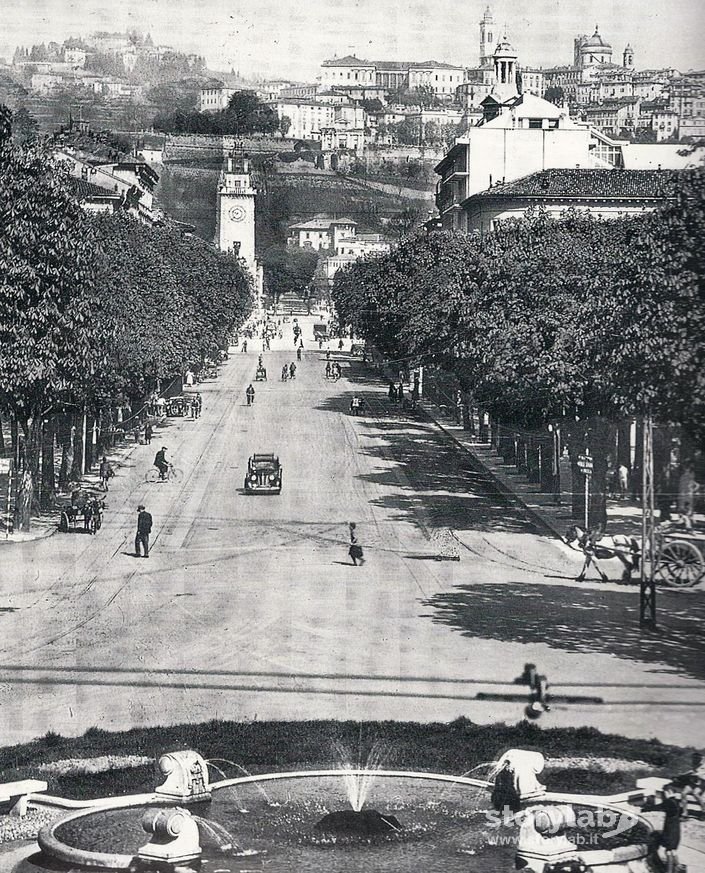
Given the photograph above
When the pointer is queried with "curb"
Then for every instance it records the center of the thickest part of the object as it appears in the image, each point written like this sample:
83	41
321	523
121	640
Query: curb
45	534
511	496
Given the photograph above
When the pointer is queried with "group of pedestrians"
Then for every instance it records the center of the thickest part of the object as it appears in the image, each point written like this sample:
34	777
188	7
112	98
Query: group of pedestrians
288	371
396	391
332	370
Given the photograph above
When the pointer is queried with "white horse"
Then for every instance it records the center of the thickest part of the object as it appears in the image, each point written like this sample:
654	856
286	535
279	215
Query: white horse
594	544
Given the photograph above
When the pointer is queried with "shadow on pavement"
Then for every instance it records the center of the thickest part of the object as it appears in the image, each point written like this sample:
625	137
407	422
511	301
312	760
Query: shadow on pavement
576	620
440	487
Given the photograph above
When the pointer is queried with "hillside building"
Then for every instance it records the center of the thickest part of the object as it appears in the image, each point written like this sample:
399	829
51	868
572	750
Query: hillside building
351	72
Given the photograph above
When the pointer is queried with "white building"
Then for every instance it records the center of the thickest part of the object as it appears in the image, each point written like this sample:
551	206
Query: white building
519	134
307	117
215	96
352	72
323	233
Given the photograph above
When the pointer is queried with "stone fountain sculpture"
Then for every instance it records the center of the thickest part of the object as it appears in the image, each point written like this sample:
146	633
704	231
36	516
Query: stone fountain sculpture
524	766
186	778
175	839
536	849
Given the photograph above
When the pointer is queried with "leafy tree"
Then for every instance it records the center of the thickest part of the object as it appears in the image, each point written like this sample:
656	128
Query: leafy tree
284	125
24	126
46	292
554	94
288	269
164	301
170	96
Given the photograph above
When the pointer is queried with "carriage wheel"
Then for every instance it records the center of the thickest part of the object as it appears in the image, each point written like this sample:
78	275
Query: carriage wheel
679	564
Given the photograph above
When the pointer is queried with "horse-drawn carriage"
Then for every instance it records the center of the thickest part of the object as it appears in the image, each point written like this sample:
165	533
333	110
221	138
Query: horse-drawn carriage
676	561
261	374
83	513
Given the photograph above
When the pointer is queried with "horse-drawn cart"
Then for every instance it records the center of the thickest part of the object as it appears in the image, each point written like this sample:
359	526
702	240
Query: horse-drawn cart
677	559
84	515
261	374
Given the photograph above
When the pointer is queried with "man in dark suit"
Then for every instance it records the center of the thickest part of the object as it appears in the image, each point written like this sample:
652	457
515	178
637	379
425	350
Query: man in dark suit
144	528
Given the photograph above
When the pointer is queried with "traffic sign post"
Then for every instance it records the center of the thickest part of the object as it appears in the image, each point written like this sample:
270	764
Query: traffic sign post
585	465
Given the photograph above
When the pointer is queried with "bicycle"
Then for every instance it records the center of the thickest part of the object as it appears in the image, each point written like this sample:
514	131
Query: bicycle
173	474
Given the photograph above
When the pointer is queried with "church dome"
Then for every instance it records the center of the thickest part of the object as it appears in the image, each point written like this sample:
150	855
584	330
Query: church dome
596	41
505	49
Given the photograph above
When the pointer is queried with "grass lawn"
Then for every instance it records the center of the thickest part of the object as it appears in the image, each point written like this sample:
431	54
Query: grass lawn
270	746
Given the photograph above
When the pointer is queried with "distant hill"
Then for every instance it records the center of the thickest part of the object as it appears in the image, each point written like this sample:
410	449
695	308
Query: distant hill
188	193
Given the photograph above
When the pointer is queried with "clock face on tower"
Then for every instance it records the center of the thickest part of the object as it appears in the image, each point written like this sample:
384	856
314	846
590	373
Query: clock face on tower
236	213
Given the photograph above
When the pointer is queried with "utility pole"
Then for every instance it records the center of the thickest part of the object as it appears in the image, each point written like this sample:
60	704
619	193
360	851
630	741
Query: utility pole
647	586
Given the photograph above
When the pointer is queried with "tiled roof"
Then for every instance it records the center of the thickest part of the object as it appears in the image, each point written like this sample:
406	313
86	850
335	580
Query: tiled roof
348	61
352	61
585	184
88	191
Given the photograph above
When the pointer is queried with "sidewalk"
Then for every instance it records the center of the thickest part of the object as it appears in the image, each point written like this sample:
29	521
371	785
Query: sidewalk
47	524
624	516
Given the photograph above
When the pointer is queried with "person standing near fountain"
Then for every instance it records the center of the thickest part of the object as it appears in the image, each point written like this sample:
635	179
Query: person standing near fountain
355	550
671	833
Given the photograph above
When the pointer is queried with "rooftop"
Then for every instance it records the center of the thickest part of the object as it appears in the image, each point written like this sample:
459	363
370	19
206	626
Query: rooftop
88	191
590	184
352	61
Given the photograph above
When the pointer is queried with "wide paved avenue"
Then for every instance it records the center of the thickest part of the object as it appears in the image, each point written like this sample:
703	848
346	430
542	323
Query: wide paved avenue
249	607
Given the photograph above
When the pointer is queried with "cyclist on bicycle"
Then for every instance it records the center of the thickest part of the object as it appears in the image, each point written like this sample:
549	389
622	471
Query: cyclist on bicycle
161	463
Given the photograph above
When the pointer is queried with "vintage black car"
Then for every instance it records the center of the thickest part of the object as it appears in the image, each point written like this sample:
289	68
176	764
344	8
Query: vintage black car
264	475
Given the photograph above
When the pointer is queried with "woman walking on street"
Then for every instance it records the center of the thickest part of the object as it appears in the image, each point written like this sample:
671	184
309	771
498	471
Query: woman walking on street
355	550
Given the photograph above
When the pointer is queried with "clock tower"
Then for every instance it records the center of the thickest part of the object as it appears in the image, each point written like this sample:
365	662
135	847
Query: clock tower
235	213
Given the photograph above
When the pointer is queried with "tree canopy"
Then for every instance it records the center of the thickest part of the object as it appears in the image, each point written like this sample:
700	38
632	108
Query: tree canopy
245	114
547	317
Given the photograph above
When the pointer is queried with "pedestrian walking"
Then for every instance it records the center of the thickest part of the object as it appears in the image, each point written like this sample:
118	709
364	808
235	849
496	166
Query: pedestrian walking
355	550
285	373
392	393
298	354
250	394
243	347
671	834
189	378
327	369
400	392
144	528
292	370
106	473
148	433
340	344
192	407
199	404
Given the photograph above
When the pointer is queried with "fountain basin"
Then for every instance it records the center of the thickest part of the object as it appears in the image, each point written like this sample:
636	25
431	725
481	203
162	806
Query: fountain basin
447	827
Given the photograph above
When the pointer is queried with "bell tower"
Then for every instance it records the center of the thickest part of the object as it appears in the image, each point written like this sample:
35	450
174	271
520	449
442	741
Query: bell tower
488	38
628	57
235	211
505	70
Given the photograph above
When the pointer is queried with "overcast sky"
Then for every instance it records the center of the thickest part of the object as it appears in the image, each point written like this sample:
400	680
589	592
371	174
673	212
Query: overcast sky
292	37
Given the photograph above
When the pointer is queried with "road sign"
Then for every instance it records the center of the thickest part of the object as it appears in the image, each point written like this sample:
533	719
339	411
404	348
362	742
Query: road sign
585	464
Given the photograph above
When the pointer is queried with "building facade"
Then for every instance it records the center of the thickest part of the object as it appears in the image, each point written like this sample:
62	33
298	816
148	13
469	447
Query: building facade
352	72
603	193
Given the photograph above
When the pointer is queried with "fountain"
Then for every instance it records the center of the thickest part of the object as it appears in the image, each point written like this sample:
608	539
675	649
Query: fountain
394	819
186	778
174	839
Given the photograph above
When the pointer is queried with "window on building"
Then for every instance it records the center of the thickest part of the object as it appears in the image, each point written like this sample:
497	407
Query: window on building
535	123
